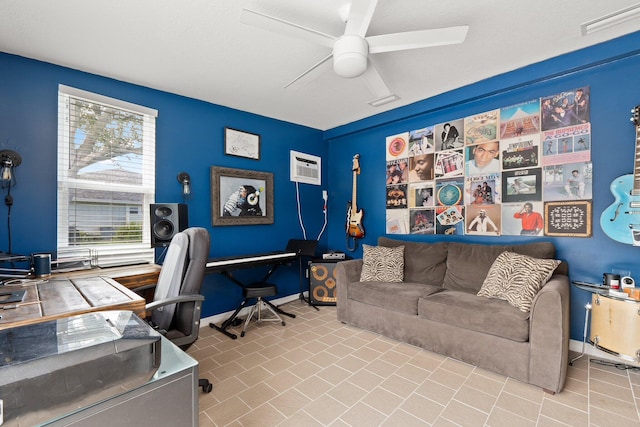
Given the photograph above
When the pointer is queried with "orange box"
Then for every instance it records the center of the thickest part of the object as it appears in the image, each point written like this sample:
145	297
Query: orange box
635	293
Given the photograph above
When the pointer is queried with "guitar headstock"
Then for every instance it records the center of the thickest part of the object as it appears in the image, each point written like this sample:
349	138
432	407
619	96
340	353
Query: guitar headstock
635	115
356	163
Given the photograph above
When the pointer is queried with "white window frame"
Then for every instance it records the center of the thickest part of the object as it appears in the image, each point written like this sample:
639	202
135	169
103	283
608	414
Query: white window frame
107	254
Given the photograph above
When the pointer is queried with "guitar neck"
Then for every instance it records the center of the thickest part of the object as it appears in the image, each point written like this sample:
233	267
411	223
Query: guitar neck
636	166
353	194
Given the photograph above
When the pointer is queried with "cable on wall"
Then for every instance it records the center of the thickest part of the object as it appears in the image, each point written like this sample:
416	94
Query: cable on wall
304	232
325	196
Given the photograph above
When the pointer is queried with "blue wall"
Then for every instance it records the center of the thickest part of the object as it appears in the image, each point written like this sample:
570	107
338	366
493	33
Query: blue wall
610	70
189	138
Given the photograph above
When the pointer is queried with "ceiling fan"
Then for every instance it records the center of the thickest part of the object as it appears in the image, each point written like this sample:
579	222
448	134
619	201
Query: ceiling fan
350	51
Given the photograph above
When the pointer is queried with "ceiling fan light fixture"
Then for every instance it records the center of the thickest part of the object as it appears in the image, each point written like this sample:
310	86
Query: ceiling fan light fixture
350	56
350	53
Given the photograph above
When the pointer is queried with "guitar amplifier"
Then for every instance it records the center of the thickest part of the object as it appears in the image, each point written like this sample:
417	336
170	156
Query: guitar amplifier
322	282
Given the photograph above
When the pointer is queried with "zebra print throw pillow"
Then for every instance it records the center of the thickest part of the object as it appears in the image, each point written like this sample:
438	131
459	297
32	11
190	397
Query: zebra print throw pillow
517	278
382	264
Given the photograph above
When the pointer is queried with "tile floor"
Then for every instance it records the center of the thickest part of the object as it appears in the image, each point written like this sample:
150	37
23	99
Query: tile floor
315	371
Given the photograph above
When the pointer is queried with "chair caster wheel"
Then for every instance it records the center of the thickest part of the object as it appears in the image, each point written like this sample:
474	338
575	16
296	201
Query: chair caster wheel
283	324
242	334
206	385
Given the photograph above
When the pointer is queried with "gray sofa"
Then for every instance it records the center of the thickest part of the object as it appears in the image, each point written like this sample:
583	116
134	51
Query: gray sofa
436	308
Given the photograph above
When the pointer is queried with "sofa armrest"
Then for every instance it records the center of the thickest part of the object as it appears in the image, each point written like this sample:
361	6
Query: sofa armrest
346	272
549	332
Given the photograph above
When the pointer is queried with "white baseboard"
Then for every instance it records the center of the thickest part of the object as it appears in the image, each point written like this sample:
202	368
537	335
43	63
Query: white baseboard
219	318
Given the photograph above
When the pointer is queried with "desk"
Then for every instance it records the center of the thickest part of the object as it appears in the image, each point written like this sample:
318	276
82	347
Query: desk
170	398
63	297
131	276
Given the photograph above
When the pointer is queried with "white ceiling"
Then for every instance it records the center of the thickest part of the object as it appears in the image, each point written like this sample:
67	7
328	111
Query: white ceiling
200	49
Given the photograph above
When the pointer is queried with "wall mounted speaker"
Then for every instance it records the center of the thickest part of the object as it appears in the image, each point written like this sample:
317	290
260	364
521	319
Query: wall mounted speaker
167	219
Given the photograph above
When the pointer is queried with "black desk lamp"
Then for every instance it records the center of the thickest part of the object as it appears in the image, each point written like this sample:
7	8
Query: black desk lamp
9	160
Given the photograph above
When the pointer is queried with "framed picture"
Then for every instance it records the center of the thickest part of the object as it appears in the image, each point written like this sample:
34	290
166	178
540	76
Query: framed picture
568	219
241	144
241	197
523	185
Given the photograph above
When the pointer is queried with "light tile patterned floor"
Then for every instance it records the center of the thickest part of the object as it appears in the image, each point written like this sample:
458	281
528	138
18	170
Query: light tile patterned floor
315	371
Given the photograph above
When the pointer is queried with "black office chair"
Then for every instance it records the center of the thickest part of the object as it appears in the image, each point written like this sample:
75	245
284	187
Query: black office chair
176	307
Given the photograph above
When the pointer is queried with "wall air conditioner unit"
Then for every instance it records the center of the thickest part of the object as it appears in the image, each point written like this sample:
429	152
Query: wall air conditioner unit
305	168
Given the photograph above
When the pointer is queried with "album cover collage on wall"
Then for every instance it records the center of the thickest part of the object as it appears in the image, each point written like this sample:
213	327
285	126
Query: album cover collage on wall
524	169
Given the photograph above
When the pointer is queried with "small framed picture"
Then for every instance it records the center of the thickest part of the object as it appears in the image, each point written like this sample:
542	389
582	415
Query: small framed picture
241	144
568	219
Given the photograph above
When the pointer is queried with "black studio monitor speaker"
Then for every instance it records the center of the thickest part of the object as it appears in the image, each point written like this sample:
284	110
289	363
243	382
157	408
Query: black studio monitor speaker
167	219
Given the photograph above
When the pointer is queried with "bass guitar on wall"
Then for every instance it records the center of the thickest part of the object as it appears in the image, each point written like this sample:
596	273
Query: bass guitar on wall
621	220
355	229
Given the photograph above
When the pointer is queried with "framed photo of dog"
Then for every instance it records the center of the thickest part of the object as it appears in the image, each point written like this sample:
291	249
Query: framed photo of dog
241	197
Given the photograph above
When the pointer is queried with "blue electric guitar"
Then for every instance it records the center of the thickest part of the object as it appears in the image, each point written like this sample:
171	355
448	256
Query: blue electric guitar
621	220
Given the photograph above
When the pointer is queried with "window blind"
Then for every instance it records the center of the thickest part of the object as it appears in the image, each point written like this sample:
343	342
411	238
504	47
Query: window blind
106	177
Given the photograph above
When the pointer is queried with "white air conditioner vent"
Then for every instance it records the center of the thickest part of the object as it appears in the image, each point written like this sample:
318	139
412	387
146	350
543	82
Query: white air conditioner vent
306	168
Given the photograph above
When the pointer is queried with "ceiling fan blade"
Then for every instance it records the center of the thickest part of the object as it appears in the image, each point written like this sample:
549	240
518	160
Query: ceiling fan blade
417	39
277	25
310	70
360	15
375	83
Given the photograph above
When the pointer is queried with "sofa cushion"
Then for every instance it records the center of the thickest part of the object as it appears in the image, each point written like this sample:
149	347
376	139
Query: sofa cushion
469	311
394	296
468	263
382	264
517	278
423	262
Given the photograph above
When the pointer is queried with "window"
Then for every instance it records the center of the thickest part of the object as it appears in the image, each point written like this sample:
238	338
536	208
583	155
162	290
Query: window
106	178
